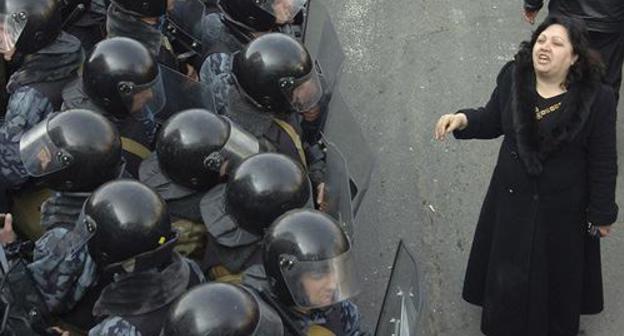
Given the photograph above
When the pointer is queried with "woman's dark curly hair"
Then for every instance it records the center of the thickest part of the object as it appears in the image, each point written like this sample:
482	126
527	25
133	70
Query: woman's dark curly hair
588	67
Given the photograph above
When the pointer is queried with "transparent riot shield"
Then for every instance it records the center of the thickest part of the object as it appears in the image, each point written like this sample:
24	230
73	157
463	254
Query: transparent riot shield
183	93
402	306
342	130
321	40
338	193
183	28
4	95
4	262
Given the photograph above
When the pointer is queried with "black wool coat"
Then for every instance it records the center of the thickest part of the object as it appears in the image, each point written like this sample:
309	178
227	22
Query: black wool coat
532	267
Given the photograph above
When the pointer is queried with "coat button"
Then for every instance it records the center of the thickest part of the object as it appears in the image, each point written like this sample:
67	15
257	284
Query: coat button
535	197
510	191
514	154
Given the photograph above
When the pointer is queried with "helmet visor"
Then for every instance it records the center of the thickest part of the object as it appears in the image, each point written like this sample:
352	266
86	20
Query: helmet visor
79	236
322	283
303	94
39	154
239	146
11	27
150	96
283	11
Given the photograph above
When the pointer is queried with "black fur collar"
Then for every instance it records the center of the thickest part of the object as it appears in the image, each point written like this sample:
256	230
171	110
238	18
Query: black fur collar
535	144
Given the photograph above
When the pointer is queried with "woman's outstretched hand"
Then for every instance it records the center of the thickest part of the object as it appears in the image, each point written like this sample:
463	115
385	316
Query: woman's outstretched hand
604	231
529	15
449	123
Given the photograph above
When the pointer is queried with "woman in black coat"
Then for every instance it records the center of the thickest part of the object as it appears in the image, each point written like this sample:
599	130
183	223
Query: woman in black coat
534	266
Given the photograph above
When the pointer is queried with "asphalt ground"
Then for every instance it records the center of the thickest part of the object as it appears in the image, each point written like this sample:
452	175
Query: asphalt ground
408	62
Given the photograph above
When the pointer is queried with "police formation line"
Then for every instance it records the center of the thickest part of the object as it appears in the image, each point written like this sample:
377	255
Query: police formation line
167	168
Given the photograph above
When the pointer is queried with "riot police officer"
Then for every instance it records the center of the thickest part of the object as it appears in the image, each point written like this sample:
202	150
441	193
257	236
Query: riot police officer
117	263
236	214
194	150
222	309
143	20
39	59
194	145
122	80
275	82
238	23
310	275
86	20
72	153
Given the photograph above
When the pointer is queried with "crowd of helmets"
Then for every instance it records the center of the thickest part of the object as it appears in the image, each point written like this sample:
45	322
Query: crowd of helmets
174	181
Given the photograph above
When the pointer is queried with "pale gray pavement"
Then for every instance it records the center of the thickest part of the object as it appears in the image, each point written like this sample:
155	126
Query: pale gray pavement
408	62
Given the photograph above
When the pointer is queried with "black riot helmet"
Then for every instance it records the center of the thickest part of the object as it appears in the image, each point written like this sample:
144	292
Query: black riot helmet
122	77
262	188
261	15
221	309
143	8
75	150
128	220
308	261
29	25
276	73
194	144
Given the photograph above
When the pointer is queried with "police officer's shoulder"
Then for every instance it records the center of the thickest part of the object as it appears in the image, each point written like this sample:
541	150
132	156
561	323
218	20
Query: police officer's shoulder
114	326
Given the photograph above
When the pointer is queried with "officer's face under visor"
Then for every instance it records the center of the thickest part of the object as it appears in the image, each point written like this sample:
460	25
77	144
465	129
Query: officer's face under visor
39	154
150	96
318	284
284	11
11	27
303	94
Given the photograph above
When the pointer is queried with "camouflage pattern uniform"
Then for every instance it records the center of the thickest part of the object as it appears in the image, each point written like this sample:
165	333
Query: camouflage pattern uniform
62	209
62	268
114	326
342	318
48	69
26	108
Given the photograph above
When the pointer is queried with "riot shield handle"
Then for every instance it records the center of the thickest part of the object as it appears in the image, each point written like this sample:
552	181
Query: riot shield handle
74	15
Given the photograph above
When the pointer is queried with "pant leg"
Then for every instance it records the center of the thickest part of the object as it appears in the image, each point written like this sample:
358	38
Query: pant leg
611	48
